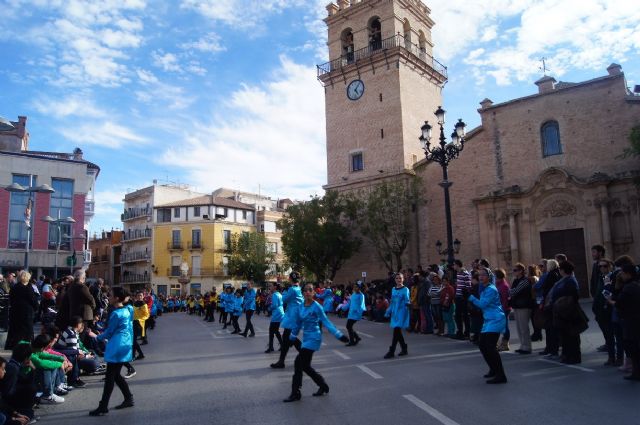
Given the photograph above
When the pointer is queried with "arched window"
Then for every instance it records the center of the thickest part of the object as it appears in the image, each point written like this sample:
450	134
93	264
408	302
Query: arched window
347	44
406	28
550	135
422	45
375	34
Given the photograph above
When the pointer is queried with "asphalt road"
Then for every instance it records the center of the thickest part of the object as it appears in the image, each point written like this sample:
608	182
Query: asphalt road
195	373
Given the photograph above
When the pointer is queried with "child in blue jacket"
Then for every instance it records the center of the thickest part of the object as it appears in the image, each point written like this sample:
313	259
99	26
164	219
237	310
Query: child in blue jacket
356	308
237	311
308	318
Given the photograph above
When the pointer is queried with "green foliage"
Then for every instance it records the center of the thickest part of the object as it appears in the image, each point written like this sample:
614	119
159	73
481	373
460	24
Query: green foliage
249	257
634	141
317	236
385	214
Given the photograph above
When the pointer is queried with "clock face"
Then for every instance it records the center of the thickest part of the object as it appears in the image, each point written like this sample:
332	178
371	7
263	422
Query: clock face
355	89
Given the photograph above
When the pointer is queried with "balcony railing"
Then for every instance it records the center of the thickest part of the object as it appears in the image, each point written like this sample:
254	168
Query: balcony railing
132	257
380	47
136	278
137	234
175	246
195	246
201	272
133	213
89	208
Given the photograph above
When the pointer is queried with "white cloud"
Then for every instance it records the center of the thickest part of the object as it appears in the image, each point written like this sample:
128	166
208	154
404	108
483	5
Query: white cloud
209	43
151	90
108	204
80	105
271	134
166	61
241	13
107	134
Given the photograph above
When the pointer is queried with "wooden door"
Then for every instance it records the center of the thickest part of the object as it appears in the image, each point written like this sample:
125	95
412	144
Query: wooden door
570	243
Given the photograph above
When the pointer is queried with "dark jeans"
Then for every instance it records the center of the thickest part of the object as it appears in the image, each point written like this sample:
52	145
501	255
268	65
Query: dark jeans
234	322
222	315
506	336
617	340
249	326
274	330
428	317
72	356
137	332
113	376
353	335
303	364
49	379
462	316
398	338
487	344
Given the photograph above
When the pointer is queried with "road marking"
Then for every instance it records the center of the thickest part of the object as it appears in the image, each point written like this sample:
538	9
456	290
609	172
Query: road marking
367	335
542	371
341	355
369	372
430	410
572	366
453	354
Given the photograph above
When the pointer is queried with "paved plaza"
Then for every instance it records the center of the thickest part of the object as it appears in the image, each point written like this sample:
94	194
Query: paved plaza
196	373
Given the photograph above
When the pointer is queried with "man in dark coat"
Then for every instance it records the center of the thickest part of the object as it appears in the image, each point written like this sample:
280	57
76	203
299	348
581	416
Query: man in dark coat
81	302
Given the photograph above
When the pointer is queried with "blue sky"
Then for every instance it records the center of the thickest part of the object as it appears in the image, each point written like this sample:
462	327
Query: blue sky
224	92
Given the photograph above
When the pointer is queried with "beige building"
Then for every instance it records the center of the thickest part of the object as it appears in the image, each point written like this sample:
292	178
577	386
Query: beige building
541	175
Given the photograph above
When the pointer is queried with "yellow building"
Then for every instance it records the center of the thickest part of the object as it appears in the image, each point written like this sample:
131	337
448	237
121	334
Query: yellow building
190	243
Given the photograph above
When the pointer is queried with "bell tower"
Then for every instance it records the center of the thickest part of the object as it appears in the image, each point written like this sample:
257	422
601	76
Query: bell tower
380	84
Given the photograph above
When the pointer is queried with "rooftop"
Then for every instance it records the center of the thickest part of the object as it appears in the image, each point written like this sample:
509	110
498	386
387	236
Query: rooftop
207	200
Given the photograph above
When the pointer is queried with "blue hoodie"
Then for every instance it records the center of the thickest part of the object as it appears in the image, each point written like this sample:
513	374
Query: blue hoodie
308	319
356	306
119	336
293	299
277	312
237	305
249	300
398	309
327	304
492	312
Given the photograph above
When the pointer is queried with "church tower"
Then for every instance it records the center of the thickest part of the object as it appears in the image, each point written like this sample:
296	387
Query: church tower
381	83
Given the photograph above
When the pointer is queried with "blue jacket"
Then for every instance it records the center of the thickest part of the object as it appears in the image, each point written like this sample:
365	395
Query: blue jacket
327	303
293	299
308	319
119	336
229	302
398	309
356	306
249	300
277	311
238	302
492	312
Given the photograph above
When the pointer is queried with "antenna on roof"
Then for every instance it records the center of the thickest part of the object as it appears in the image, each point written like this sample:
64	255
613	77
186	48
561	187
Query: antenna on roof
544	68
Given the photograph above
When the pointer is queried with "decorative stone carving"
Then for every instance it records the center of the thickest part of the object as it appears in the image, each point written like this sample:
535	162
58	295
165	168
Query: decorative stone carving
560	208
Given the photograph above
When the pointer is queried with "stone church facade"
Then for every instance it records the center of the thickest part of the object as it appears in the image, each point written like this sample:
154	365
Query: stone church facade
542	174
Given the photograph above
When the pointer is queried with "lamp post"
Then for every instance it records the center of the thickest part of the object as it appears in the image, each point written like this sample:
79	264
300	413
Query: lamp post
17	188
59	222
72	238
443	153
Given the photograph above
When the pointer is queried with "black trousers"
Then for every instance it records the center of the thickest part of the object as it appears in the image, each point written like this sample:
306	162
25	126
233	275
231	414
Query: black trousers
353	335
488	347
462	316
398	338
286	344
553	340
234	322
113	376
249	326
570	346
303	364
137	332
274	330
221	316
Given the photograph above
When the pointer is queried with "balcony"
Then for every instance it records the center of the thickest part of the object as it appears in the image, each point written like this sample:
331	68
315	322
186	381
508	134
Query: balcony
137	234
136	278
134	257
201	272
195	246
135	213
89	208
175	246
381	48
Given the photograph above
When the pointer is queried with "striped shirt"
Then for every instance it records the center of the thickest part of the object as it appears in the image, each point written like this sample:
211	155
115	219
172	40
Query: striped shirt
434	293
69	339
463	283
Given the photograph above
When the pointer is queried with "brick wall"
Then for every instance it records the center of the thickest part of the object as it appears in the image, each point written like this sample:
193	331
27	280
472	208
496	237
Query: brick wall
78	215
40	228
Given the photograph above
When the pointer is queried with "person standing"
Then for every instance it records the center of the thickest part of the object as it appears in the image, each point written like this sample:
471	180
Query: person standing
23	304
503	287
308	318
119	338
293	299
277	314
493	326
398	311
249	307
595	282
81	302
140	316
463	288
521	301
627	304
567	319
356	308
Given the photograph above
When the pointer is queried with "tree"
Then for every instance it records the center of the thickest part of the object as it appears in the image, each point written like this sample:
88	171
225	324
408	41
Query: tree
249	257
317	235
384	215
634	141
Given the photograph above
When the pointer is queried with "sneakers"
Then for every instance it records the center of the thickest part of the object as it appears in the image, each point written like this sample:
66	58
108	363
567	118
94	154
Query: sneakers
77	384
130	374
60	390
52	399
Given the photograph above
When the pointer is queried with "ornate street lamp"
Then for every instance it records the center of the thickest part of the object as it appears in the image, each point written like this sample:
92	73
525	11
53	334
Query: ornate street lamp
17	188
443	153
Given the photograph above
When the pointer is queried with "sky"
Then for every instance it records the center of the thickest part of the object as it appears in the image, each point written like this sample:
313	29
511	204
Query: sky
223	93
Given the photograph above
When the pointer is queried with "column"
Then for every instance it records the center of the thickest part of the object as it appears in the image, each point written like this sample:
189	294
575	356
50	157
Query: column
513	236
603	203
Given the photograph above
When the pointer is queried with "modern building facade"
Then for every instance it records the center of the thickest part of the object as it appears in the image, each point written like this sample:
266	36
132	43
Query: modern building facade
67	198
